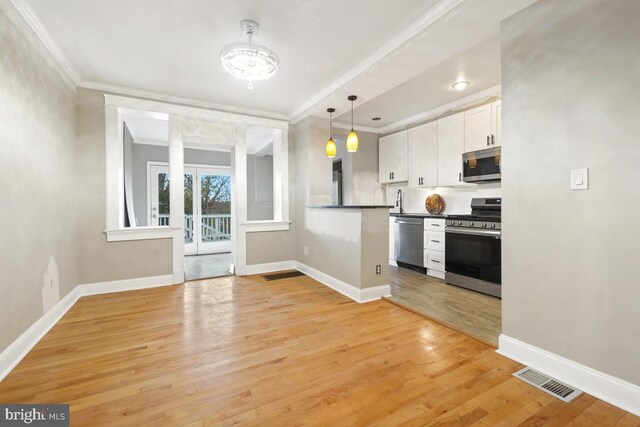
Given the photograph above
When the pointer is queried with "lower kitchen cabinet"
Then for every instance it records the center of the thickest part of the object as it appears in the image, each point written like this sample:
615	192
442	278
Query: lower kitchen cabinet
392	240
434	247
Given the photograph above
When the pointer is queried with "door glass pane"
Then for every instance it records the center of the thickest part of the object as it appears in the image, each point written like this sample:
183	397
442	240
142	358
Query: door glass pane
216	207
188	208
163	199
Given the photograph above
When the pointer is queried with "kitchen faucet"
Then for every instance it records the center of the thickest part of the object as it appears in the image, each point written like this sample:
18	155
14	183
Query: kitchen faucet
399	200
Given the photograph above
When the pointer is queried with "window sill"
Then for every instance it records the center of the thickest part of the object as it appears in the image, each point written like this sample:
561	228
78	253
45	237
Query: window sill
139	233
258	226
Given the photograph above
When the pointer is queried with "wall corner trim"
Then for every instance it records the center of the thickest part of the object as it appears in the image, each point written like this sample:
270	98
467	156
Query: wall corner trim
608	388
350	291
19	348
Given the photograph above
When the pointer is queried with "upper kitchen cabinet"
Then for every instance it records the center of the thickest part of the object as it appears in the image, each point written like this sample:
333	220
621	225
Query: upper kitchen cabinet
423	155
450	148
392	160
496	122
482	127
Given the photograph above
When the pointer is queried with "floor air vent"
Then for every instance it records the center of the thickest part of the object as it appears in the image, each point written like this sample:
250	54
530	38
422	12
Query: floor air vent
278	276
547	384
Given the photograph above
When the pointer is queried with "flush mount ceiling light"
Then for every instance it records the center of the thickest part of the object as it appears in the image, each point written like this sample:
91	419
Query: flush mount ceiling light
352	138
247	60
460	85
330	149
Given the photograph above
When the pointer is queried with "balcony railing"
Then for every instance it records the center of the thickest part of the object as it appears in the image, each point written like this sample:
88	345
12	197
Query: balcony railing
214	228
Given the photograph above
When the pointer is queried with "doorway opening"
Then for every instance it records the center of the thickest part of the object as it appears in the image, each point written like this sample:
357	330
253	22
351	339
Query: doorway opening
207	216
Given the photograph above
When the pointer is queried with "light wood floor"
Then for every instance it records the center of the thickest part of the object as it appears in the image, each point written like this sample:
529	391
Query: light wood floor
245	351
467	311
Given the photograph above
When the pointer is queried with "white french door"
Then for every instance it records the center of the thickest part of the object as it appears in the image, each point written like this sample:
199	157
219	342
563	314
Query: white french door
207	206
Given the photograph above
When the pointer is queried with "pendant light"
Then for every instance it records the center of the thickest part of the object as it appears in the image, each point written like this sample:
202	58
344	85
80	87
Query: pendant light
330	149
352	138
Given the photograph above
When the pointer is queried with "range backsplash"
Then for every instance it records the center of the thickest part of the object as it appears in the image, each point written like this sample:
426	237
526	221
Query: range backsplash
458	200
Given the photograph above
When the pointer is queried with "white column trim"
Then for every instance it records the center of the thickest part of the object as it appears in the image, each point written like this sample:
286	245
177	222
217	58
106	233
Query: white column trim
176	196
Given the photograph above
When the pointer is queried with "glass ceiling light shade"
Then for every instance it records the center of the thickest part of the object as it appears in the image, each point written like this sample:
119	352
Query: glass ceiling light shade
247	60
352	138
331	148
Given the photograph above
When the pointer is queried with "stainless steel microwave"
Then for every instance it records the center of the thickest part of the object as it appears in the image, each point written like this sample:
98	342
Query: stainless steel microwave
481	165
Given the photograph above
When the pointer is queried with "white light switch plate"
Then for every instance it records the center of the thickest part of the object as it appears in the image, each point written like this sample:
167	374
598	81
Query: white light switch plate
580	179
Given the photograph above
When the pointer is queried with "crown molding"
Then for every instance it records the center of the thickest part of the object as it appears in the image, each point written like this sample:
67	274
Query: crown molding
461	103
426	20
162	97
66	69
347	126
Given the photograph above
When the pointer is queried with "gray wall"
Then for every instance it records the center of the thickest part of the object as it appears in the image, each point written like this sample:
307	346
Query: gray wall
100	260
38	178
570	258
313	186
143	153
259	188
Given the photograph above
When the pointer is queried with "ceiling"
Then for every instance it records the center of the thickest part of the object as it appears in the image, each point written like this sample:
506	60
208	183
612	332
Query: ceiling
400	57
173	46
480	65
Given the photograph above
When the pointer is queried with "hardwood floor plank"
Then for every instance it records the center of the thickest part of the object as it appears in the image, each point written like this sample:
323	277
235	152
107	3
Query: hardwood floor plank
244	351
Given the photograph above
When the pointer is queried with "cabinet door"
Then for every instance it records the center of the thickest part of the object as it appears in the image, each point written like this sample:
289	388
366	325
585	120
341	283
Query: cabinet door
450	149
423	156
477	128
496	122
392	158
384	166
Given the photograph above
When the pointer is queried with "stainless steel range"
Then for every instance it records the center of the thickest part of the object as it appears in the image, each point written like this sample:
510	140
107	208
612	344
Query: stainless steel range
473	248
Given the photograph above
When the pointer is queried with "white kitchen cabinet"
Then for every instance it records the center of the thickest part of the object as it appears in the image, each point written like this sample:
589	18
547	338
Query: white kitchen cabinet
496	122
477	128
450	149
392	158
434	247
423	155
482	127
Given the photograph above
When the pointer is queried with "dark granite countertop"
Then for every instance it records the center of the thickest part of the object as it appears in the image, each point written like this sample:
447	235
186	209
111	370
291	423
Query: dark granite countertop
349	207
417	215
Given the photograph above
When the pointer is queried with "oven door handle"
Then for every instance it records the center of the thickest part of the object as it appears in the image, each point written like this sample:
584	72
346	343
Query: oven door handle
474	232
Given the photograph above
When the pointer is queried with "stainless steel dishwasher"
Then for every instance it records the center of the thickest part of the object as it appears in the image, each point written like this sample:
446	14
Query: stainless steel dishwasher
409	241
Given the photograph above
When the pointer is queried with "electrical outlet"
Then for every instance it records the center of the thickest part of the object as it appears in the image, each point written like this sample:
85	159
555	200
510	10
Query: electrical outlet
378	269
306	250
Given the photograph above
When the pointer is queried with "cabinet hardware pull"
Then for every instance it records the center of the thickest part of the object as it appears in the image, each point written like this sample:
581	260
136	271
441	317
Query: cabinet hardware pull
437	262
459	176
488	141
435	225
493	140
436	241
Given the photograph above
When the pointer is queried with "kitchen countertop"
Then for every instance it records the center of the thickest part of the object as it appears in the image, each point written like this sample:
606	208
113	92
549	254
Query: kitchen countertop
349	207
417	215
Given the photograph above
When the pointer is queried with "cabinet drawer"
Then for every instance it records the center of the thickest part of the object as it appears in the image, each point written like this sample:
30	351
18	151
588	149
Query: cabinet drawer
434	240
431	224
434	261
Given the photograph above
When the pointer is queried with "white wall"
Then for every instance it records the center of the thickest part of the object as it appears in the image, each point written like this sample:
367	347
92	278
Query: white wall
458	200
570	258
259	188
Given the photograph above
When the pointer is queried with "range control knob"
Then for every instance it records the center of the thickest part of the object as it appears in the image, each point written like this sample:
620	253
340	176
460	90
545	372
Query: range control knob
471	224
493	225
484	225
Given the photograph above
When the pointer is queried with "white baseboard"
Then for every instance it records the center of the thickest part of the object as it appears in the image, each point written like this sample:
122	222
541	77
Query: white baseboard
610	389
19	348
356	294
124	285
270	267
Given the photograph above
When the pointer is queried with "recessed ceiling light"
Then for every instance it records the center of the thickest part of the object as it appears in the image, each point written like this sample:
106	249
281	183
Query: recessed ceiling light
375	119
461	85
